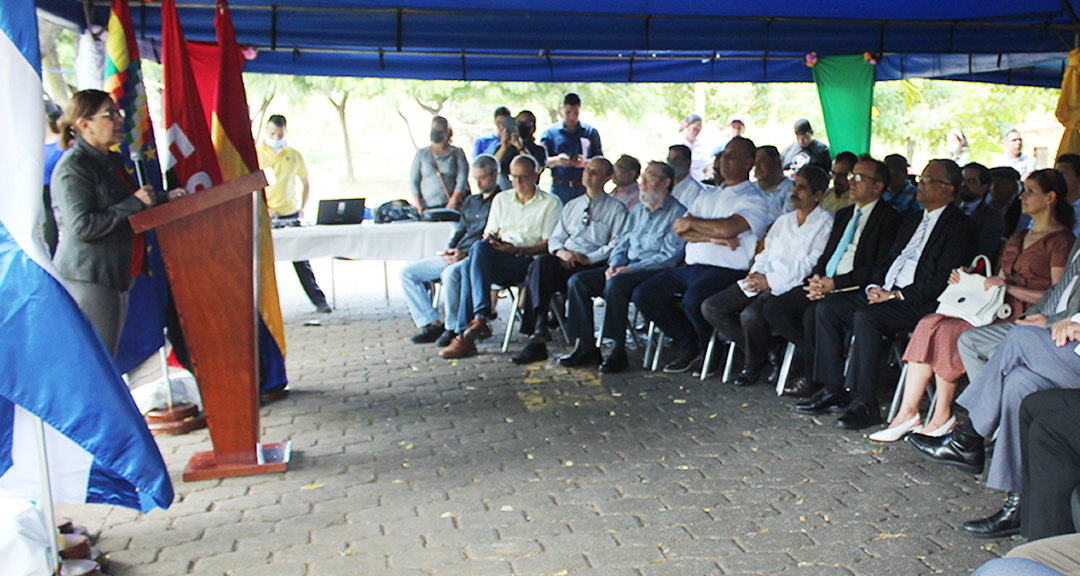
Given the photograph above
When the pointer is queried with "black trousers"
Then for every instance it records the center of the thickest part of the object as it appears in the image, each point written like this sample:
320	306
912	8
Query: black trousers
307	280
738	317
617	292
1050	461
545	277
870	324
658	299
791	315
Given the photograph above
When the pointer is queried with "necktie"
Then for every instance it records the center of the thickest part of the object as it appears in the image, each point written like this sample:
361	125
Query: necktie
909	252
845	240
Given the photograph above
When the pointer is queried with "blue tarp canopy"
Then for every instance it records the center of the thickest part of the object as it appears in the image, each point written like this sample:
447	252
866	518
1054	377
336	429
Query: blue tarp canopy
629	41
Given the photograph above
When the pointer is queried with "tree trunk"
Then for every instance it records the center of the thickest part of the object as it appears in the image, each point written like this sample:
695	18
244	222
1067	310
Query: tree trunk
434	111
349	172
257	125
57	88
408	130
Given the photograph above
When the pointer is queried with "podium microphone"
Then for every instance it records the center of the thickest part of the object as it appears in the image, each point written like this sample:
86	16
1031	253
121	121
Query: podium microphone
136	159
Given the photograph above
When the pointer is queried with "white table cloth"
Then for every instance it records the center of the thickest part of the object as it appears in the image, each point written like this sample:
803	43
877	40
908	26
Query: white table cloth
395	241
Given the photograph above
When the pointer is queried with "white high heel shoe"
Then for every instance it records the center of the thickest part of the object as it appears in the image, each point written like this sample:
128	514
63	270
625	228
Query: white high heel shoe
897	432
945	428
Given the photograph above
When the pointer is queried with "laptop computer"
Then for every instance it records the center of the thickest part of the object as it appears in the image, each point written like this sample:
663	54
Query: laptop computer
341	211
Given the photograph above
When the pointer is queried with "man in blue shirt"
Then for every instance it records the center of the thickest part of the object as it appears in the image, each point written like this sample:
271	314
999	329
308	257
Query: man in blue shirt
648	246
901	192
569	146
488	144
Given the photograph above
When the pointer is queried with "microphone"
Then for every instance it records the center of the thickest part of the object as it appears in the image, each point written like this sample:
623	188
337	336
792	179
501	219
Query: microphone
136	158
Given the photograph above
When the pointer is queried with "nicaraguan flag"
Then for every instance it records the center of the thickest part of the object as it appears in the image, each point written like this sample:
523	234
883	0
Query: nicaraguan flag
53	363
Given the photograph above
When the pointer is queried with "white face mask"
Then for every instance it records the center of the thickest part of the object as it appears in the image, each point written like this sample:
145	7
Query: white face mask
274	143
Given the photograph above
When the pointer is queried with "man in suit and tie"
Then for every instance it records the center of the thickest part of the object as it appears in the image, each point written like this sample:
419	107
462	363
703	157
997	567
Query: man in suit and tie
905	288
973	202
861	236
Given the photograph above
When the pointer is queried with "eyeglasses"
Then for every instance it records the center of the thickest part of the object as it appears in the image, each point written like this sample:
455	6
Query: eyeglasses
928	180
113	115
856	177
585	217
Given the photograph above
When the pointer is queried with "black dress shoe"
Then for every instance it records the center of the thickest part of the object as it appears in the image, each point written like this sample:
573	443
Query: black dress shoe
583	355
615	362
824	401
445	339
957	448
772	369
747	377
323	307
532	352
801	387
860	415
428	334
1004	522
684	362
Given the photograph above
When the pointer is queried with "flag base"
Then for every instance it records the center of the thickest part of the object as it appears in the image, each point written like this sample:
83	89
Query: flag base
204	465
180	419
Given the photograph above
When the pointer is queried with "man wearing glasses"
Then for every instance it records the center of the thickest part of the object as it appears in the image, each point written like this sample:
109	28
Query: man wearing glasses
587	231
861	236
929	245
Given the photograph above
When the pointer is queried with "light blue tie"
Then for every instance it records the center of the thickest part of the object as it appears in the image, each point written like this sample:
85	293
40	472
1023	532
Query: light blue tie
849	233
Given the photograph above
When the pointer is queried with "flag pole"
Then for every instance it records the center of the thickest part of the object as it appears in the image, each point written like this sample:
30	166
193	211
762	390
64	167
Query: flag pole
165	369
46	495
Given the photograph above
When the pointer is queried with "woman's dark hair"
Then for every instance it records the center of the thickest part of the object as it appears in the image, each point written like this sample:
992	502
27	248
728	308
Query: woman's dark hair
83	105
53	113
1052	181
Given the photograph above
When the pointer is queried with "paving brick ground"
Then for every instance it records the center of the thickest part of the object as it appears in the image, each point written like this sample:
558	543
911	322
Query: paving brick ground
405	464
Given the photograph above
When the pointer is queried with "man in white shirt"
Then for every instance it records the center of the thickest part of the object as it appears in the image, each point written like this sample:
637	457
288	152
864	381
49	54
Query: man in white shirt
792	247
721	229
687	188
518	227
928	247
771	180
1014	157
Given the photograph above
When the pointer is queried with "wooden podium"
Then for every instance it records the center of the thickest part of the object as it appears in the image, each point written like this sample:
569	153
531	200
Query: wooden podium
208	241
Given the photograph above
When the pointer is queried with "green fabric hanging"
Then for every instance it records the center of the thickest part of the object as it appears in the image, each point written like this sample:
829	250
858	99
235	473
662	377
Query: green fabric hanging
846	87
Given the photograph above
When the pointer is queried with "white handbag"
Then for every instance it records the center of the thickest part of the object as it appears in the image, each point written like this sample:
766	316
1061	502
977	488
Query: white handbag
968	299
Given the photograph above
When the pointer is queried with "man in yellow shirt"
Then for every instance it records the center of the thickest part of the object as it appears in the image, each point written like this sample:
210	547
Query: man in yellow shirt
286	206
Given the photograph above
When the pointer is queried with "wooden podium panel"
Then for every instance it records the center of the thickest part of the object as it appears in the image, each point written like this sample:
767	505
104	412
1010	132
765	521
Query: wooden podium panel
208	241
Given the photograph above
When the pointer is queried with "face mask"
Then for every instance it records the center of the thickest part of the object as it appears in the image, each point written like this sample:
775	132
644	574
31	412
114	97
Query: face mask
436	135
953	147
274	143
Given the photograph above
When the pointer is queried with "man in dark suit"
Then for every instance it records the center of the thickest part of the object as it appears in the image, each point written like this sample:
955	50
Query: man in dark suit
1005	198
866	241
973	202
905	288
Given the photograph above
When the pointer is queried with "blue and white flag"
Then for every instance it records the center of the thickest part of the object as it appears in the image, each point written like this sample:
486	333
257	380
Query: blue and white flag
53	362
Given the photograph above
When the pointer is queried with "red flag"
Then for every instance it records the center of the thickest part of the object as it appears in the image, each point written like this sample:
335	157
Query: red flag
190	160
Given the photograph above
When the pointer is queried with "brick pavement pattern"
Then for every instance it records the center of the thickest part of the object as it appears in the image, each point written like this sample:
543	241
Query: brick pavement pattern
405	464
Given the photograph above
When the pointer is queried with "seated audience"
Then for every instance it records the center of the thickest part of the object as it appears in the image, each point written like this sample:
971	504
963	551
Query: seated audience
1069	167
447	267
804	150
1049	462
518	227
861	237
1031	358
687	188
900	192
584	236
901	291
722	229
771	180
991	222
627	170
837	197
1033	261
647	246
793	245
1005	198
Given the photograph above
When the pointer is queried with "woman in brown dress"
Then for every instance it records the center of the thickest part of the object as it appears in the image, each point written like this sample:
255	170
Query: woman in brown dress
1033	261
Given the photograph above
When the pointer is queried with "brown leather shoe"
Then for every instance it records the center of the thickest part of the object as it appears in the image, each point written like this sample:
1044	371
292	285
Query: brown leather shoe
478	329
801	387
458	348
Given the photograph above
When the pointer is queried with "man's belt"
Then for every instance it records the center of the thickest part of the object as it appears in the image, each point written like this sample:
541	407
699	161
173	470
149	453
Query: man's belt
571	183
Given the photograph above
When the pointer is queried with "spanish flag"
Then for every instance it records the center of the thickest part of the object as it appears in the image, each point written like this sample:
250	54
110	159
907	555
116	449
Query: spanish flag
230	131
